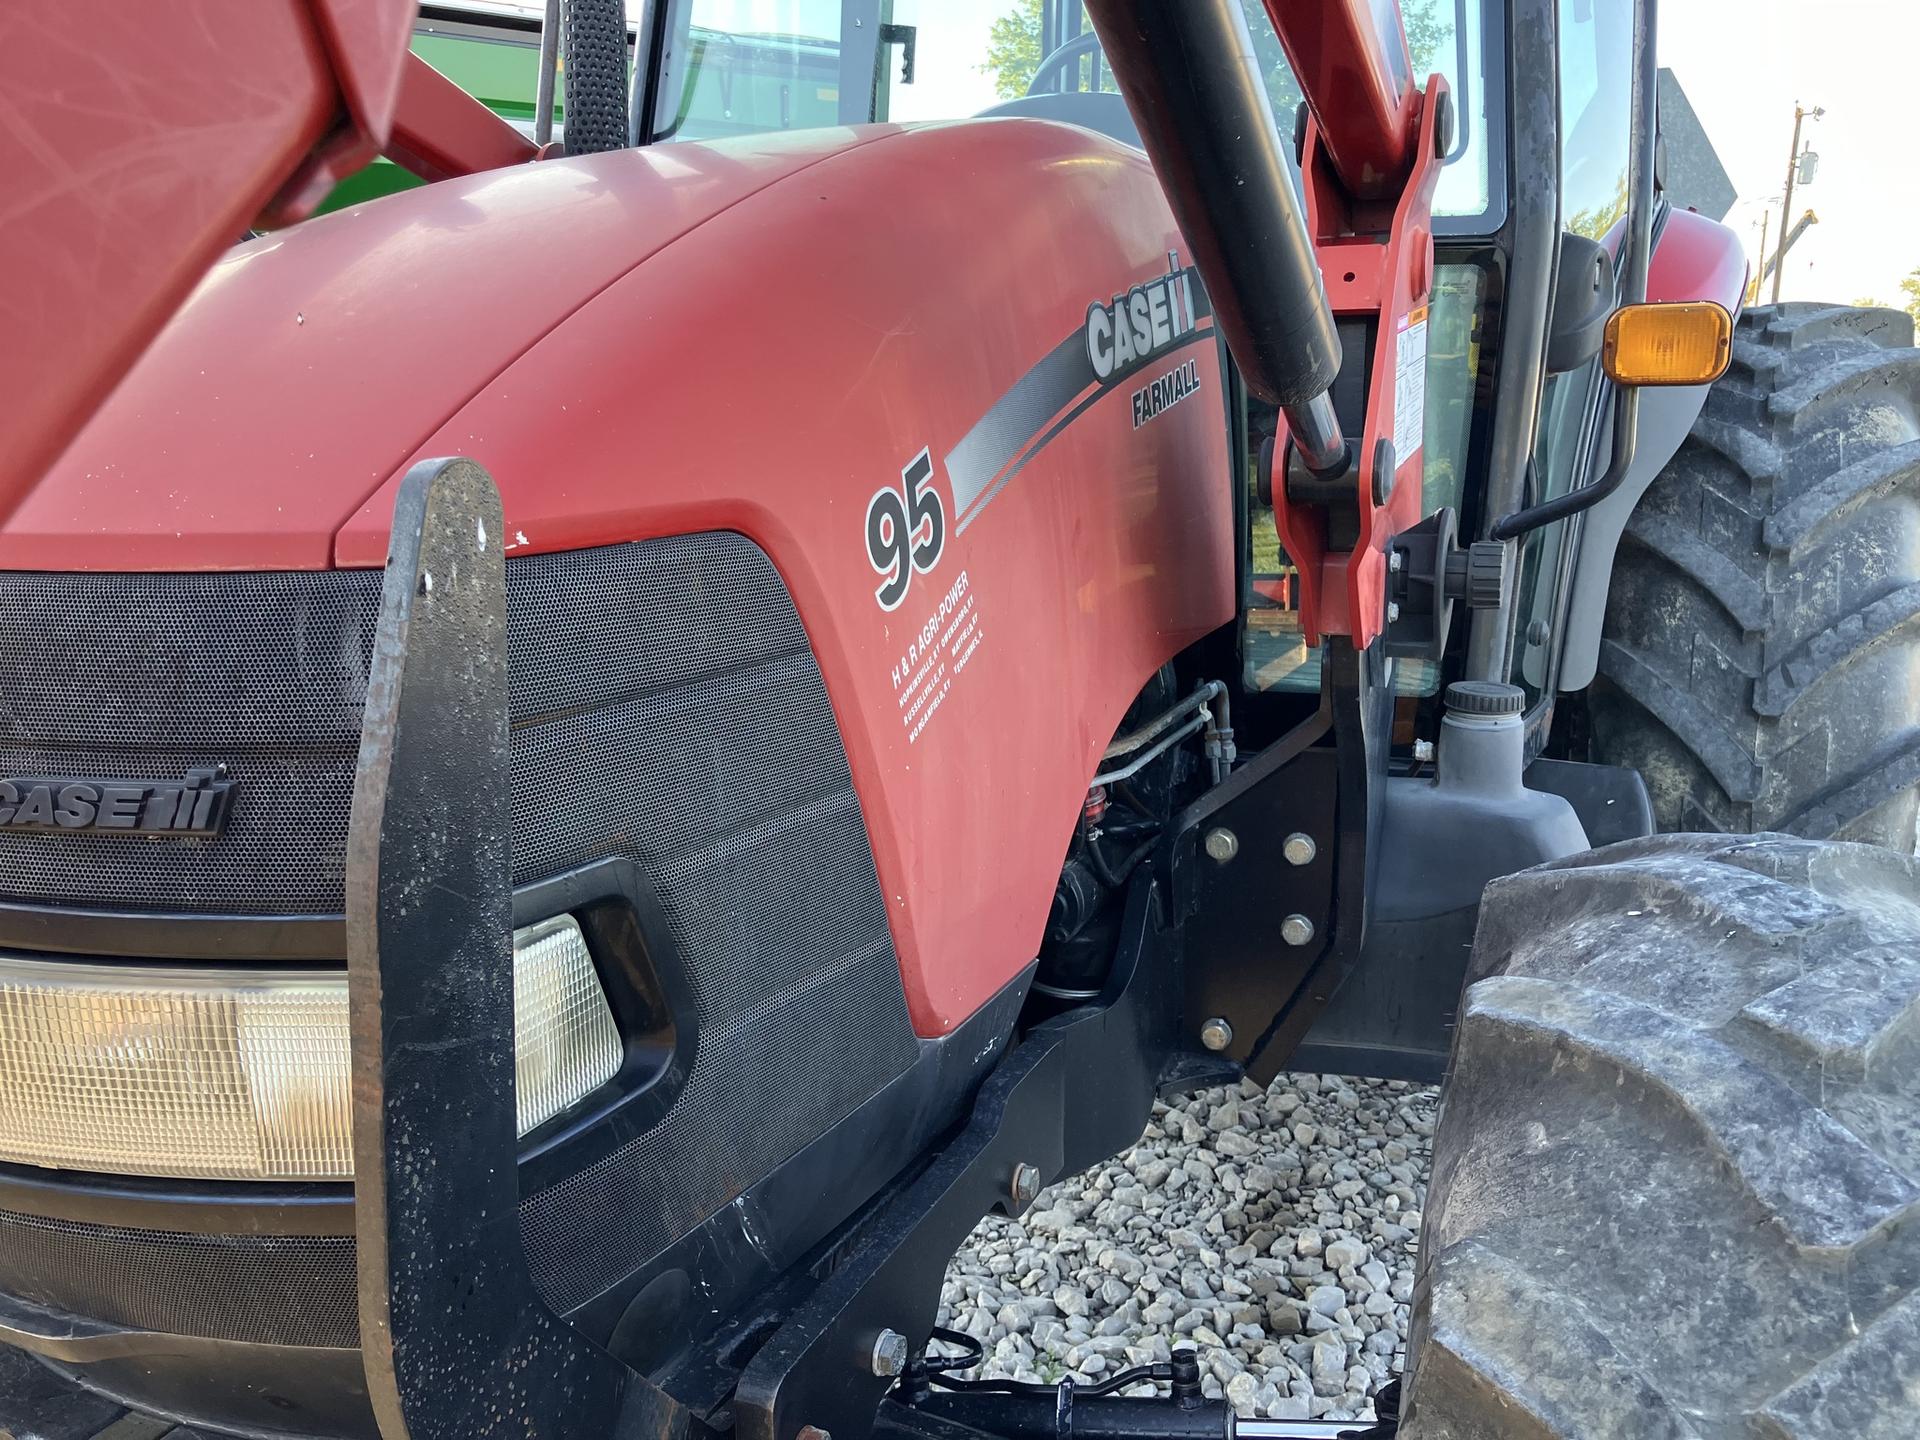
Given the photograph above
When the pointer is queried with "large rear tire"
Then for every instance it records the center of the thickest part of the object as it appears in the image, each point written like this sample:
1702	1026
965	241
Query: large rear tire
1676	1176
1760	664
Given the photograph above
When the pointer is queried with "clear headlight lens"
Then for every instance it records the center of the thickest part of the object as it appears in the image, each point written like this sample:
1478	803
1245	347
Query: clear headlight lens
231	1075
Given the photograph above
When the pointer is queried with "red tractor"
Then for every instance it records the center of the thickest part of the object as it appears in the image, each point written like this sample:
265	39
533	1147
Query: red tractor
601	756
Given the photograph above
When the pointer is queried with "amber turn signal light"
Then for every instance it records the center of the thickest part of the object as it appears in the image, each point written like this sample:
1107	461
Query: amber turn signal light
1682	344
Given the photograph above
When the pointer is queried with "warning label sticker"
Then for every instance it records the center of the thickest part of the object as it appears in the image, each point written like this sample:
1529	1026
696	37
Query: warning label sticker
1410	386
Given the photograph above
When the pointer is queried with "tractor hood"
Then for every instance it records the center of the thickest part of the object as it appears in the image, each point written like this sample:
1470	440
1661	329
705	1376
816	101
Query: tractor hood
310	364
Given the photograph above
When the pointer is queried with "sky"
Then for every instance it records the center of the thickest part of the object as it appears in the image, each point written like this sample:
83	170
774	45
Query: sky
1744	65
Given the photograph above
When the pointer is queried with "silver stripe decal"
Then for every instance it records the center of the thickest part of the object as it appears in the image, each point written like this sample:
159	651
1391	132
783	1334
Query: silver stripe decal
1004	431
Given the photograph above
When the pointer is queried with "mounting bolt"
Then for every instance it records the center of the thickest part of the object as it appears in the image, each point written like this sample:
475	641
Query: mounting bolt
1538	633
1395	560
1026	1184
1299	848
1216	1034
1423	750
812	1432
1296	929
890	1353
1221	845
1393	612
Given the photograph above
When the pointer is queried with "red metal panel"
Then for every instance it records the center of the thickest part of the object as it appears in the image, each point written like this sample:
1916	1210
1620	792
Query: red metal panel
1351	59
311	363
777	369
440	131
367	40
136	142
1698	259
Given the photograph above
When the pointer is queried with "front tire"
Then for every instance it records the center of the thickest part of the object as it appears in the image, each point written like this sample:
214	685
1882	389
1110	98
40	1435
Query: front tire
1676	1176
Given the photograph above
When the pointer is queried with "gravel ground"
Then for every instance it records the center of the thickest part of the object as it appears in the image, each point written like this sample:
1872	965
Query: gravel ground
1272	1230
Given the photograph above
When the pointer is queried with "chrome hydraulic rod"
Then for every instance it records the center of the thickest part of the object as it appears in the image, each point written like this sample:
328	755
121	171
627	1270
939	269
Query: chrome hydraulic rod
1315	432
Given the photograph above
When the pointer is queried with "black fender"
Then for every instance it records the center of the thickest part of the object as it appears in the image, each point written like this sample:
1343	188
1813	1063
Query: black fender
1694	259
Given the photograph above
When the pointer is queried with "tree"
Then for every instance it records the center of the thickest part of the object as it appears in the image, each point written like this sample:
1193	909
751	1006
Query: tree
1429	39
1910	287
1013	50
1597	220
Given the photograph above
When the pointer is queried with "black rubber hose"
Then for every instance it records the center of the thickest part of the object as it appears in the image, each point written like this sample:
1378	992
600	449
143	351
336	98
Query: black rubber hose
596	71
1115	877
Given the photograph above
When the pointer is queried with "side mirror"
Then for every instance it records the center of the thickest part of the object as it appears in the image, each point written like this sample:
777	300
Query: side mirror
1680	344
1582	301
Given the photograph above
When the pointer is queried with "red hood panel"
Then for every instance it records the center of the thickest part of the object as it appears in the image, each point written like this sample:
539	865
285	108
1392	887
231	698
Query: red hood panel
310	364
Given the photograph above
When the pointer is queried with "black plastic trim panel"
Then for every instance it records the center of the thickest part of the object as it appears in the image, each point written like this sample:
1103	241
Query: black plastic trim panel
129	934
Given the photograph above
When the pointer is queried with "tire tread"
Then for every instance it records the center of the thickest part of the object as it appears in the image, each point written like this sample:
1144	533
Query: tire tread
1688	1036
1763	627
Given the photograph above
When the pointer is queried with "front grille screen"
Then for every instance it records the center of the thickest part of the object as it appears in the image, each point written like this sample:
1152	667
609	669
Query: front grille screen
270	1289
145	677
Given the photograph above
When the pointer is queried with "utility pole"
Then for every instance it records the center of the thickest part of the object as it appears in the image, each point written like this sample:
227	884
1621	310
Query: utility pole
1805	223
1760	273
1786	209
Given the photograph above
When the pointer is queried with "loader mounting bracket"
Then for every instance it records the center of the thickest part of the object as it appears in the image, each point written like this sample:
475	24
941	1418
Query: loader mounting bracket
1272	937
1376	259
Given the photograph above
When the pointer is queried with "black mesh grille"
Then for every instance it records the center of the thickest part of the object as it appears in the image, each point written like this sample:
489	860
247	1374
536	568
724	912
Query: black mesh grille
682	667
666	707
142	677
275	1290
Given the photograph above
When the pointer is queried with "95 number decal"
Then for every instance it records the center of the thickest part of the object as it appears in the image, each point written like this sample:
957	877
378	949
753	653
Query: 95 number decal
906	531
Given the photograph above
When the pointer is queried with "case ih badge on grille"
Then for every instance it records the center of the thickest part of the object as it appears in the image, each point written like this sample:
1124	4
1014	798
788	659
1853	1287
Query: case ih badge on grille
196	806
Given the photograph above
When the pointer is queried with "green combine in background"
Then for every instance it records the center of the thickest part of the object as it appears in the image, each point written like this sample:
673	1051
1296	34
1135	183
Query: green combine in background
731	84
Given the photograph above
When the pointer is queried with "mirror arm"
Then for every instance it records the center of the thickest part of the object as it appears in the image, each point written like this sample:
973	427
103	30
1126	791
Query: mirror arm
1626	430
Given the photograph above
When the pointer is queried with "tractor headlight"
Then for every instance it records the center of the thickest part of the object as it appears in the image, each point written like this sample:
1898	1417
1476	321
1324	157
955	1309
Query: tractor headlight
244	1075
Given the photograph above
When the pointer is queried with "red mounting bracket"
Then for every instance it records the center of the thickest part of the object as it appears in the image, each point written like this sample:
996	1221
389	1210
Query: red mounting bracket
1376	258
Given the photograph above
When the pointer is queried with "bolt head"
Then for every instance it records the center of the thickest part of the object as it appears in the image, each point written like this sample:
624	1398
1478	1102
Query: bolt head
812	1432
1216	1034
1296	929
890	1353
1221	845
1026	1184
1423	750
1299	848
1395	560
1393	611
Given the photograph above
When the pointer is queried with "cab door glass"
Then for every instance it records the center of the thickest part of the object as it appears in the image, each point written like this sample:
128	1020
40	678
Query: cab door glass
744	67
1596	113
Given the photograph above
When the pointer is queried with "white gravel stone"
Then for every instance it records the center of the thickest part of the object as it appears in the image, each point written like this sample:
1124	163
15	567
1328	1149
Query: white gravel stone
1346	1254
1243	1218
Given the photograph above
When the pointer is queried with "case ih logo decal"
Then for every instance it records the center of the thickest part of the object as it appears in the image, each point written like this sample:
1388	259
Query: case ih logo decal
1146	321
1119	338
195	806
